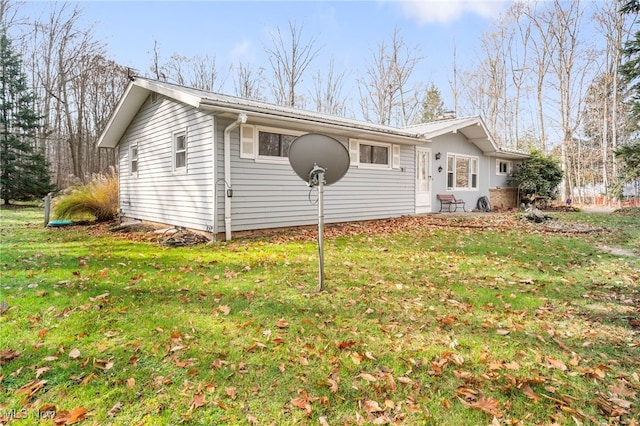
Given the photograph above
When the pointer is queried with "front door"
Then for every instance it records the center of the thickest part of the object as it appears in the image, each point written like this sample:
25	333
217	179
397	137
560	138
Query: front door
423	180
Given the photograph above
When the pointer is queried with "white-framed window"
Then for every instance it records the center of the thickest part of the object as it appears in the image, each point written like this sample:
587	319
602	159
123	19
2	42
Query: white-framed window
266	144
133	160
377	155
462	172
180	151
503	167
274	144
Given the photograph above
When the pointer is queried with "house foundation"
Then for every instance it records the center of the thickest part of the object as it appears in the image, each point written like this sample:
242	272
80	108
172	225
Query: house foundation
503	198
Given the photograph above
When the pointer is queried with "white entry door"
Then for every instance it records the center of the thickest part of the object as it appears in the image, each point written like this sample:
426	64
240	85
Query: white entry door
423	180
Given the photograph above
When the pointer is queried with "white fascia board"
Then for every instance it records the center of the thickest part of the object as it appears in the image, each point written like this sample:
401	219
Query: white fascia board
170	91
133	98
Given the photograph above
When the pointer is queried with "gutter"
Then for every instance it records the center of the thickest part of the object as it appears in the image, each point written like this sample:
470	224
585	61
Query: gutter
242	118
415	138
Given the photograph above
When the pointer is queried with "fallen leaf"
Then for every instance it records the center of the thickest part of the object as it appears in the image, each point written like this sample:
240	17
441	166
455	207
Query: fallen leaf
70	417
131	382
333	385
372	406
512	365
115	409
487	405
198	401
302	403
40	371
88	378
526	389
356	358
231	392
368	377
103	364
345	344
74	354
252	419
31	388
224	309
282	323
100	297
622	390
555	363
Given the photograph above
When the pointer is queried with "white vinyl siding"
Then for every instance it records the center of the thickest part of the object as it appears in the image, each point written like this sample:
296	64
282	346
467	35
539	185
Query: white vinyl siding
159	194
268	194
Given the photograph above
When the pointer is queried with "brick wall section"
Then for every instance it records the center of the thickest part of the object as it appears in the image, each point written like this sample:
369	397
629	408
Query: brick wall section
503	198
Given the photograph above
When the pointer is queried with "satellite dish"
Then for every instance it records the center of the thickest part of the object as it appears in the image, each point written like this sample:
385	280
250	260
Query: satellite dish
323	151
319	160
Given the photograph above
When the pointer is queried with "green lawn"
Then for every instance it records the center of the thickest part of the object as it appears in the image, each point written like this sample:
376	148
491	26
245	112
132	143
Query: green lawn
436	321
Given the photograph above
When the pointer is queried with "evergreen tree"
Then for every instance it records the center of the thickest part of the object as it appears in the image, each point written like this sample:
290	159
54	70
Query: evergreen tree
630	70
432	105
24	171
630	172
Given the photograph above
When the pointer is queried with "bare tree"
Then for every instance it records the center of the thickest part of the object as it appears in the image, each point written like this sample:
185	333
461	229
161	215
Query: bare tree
570	63
76	88
327	94
289	58
156	68
197	71
486	85
385	95
615	27
248	82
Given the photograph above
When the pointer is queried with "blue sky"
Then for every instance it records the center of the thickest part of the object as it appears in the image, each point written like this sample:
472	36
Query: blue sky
345	30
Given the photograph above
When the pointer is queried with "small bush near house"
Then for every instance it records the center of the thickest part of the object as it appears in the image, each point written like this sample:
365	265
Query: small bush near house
98	198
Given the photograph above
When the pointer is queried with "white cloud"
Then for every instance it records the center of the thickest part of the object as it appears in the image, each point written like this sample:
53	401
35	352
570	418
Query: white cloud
446	11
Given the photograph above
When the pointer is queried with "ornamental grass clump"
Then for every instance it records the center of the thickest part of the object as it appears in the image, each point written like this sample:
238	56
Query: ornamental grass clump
98	198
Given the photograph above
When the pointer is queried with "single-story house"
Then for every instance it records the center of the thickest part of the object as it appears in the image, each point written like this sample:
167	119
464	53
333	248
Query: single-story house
216	163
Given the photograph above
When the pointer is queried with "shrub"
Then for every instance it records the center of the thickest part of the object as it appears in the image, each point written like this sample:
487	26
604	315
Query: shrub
538	176
98	198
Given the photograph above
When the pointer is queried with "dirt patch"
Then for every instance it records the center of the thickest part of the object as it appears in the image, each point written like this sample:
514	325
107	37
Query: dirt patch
573	228
617	251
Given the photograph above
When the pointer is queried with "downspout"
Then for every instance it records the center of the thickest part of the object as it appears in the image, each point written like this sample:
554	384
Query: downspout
242	118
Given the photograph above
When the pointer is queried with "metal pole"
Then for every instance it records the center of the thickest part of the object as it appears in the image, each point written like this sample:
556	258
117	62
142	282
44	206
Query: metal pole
321	227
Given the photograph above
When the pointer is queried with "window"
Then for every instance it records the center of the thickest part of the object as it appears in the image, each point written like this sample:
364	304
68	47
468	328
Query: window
133	160
378	155
274	144
503	167
266	144
180	151
462	172
374	154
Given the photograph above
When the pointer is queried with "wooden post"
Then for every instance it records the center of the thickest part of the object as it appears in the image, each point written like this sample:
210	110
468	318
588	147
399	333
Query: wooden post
47	208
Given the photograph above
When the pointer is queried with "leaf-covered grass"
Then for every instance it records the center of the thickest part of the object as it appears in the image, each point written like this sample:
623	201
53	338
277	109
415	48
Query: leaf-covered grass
97	198
464	321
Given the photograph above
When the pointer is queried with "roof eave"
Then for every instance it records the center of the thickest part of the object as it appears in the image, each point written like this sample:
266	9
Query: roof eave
308	118
130	102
